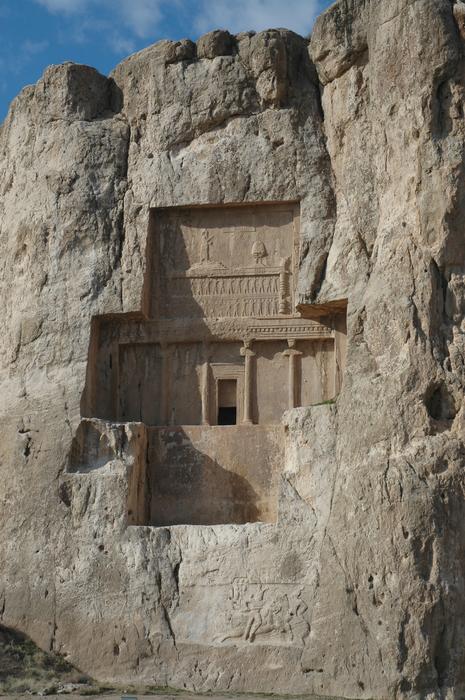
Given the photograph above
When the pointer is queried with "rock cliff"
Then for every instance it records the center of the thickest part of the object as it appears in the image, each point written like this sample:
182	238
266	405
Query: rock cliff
364	126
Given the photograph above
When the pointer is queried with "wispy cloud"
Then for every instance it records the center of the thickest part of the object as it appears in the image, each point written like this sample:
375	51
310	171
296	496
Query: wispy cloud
141	16
32	48
65	6
243	15
13	62
124	24
121	45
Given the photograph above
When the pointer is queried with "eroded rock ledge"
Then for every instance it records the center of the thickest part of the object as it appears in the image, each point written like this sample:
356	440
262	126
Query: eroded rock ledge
355	588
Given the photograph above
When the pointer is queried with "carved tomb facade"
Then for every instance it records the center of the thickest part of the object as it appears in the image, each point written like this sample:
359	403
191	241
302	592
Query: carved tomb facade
214	360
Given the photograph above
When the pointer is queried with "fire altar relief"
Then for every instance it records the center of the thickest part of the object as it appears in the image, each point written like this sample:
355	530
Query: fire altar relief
225	262
216	359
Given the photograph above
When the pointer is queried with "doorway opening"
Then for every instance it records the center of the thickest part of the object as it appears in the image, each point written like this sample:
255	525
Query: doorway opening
227	402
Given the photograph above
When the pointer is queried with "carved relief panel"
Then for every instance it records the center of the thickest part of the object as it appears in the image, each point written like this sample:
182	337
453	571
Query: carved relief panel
245	613
228	262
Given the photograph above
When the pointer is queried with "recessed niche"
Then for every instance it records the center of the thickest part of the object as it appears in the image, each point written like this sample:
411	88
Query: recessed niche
440	403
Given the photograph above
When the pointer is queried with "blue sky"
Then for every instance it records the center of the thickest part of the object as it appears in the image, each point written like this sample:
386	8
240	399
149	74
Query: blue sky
36	33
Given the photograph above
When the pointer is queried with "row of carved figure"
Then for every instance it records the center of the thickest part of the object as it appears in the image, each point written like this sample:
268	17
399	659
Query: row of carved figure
206	286
227	308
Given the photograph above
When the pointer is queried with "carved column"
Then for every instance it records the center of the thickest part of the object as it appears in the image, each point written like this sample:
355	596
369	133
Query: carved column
165	417
340	350
206	387
293	386
248	378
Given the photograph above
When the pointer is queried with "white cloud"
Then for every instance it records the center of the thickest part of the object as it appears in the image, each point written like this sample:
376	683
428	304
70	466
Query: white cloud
242	15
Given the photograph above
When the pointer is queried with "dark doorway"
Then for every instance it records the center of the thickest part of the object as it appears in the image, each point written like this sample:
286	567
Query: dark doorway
227	402
227	415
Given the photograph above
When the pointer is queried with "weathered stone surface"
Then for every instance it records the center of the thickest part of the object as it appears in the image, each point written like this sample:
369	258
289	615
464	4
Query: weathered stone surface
357	589
183	50
216	43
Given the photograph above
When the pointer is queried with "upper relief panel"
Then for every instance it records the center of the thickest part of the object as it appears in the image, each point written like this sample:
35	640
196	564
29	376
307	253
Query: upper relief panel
224	262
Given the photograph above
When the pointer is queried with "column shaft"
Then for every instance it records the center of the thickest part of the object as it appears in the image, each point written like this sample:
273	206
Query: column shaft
292	354
206	394
247	389
165	417
248	354
292	368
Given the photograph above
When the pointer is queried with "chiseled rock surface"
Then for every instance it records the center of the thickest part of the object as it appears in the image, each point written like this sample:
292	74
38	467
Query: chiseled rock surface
361	581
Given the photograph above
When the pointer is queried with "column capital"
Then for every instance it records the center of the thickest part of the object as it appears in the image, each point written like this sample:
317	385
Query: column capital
291	348
246	350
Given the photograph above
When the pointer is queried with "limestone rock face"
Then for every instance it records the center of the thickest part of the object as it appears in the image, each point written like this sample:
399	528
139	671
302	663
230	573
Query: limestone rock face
357	589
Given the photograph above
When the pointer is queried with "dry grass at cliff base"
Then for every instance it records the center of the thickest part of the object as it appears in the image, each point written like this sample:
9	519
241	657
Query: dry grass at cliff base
26	669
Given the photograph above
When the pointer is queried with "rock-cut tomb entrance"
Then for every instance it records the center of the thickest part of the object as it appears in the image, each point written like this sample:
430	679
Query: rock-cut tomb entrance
209	366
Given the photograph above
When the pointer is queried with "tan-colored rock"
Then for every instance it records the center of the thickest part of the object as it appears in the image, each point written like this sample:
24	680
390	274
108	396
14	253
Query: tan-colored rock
183	50
350	581
216	43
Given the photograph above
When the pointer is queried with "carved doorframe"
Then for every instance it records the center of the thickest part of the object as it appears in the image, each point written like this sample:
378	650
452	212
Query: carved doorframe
221	371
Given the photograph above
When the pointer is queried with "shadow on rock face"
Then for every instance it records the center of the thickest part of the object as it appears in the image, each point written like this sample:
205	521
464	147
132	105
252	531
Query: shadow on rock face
190	487
90	449
441	406
24	668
